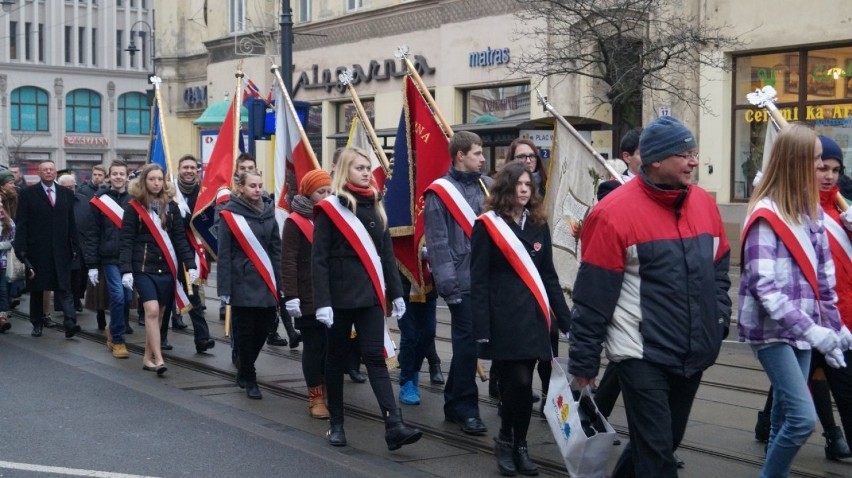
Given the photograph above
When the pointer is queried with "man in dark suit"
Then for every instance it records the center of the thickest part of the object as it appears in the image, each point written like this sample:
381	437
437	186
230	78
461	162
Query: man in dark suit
45	240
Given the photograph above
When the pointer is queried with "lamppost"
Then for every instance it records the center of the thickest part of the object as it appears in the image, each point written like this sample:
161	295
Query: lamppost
6	5
131	48
286	38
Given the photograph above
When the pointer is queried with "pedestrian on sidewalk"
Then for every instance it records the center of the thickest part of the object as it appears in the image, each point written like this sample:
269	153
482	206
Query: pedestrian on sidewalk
7	235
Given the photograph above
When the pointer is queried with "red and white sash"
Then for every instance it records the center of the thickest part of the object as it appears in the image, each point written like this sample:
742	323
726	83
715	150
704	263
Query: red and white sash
515	252
201	264
356	234
839	243
165	243
111	209
305	225
455	203
252	247
794	237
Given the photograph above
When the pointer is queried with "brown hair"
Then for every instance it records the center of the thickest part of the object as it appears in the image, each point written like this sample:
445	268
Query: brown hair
140	192
503	197
539	166
790	176
118	163
462	141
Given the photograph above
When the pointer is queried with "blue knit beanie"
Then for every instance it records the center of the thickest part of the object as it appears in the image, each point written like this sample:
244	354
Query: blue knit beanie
830	149
664	137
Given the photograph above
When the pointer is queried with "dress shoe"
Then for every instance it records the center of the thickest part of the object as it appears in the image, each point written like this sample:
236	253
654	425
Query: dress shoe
521	458
252	391
165	345
275	339
48	322
71	328
36	330
177	322
473	426
357	376
336	435
204	345
435	374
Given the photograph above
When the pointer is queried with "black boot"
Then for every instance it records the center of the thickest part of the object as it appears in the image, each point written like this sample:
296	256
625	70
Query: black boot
252	391
503	453
435	374
292	334
761	428
397	433
835	445
521	458
335	434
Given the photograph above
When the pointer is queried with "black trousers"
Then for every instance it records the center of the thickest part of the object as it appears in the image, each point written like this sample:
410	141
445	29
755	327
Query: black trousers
840	382
251	326
62	300
658	403
196	315
461	396
370	326
608	389
313	352
516	393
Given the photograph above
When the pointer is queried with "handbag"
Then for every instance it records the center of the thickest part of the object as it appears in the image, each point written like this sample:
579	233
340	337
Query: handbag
15	269
581	432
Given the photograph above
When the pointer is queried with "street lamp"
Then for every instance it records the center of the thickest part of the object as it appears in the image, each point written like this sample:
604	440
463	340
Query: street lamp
131	48
6	5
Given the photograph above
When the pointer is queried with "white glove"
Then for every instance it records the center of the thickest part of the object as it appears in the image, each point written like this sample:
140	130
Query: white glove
93	276
835	359
845	218
398	308
226	299
5	245
821	338
756	180
127	280
325	316
293	308
845	338
193	275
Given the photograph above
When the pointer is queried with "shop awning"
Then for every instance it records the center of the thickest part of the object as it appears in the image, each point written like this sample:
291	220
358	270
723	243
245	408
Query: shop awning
214	115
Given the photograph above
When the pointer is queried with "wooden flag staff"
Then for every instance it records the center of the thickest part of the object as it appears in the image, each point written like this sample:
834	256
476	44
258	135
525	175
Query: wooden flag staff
345	79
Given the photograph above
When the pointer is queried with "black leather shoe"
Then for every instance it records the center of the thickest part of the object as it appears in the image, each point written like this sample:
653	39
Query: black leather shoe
177	322
71	328
277	340
336	435
204	345
435	374
36	330
252	391
521	458
357	376
165	345
473	426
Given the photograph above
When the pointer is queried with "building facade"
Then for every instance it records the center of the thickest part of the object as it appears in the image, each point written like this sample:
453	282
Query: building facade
69	91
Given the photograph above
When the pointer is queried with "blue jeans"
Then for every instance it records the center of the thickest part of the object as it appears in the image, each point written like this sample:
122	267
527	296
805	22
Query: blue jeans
416	331
461	397
119	302
793	413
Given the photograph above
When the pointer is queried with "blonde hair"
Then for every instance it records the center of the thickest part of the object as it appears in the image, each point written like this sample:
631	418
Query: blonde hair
139	191
790	177
347	157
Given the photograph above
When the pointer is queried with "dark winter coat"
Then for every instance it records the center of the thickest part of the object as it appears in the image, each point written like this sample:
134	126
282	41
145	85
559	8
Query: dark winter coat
340	279
83	224
46	236
507	313
237	276
139	251
296	270
103	237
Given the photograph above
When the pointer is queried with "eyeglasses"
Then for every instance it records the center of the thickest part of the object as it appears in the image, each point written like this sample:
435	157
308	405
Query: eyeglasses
525	157
693	154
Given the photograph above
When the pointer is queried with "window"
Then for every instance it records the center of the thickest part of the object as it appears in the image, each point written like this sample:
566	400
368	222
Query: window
236	16
28	41
29	109
814	87
352	5
41	42
67	44
346	112
143	48
492	105
13	40
134	114
119	48
83	111
94	46
81	45
304	11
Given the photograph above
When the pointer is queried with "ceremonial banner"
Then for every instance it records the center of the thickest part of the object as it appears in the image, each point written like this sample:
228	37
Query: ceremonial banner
294	156
358	139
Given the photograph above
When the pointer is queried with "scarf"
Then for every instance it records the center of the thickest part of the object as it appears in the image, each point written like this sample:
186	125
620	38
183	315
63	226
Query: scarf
187	187
359	191
303	206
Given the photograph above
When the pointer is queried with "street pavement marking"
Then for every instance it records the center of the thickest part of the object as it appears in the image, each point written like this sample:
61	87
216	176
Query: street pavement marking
66	471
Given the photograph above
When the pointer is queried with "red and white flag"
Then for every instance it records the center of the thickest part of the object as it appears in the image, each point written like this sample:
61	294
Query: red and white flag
358	139
294	156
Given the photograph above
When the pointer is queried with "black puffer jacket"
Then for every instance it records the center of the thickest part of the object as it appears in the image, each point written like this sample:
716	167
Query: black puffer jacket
101	236
139	251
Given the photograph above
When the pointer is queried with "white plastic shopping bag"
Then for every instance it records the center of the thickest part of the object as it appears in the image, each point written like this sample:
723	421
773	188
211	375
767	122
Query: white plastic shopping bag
583	435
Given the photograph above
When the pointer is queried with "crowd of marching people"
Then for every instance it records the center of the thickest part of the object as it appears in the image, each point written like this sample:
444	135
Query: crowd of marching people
652	291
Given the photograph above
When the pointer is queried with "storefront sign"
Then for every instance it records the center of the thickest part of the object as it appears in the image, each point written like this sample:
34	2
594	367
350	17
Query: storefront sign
488	57
387	69
195	96
86	140
542	138
812	113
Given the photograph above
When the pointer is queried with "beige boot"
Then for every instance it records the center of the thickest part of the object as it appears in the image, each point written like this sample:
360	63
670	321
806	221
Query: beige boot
4	322
119	351
316	403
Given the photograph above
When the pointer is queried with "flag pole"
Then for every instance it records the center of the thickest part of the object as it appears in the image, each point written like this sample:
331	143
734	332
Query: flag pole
237	124
346	79
156	80
600	159
403	53
286	94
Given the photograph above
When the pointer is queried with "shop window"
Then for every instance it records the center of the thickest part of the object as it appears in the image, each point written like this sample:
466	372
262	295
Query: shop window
814	87
134	114
493	105
313	129
83	111
346	112
29	109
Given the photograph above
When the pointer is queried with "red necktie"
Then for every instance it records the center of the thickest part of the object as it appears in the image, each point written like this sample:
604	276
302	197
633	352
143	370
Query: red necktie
50	196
